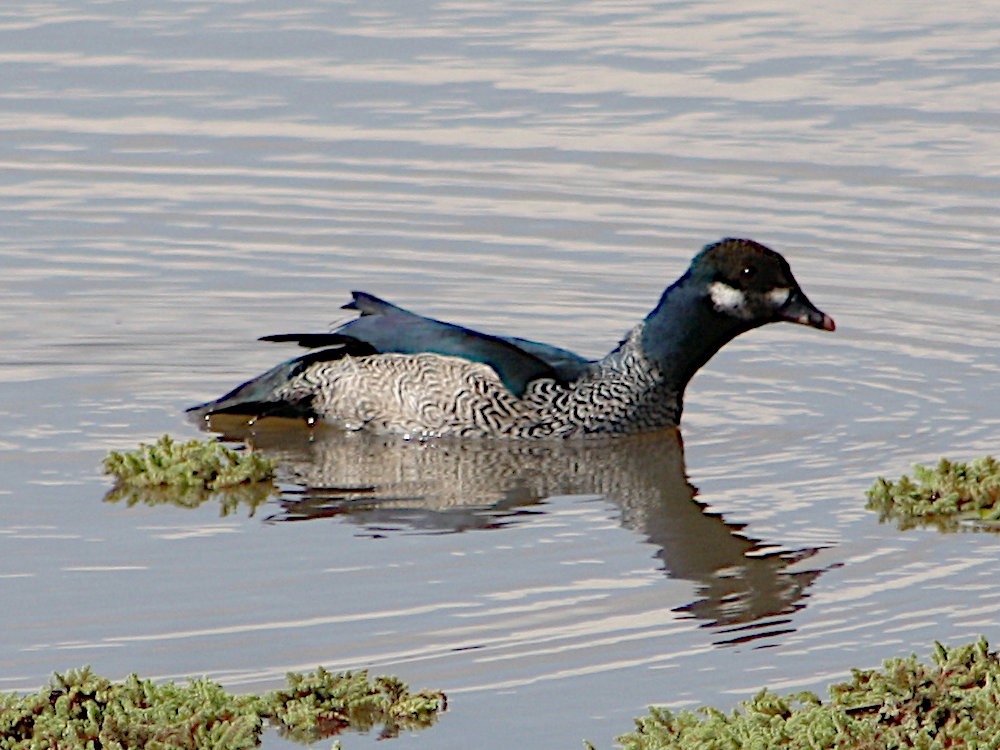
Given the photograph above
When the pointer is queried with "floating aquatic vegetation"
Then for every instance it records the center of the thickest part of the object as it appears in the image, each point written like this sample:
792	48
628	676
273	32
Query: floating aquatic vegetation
81	710
321	704
208	465
950	495
952	702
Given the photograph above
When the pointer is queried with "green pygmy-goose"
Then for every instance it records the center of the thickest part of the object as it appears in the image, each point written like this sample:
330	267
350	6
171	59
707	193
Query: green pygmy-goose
393	371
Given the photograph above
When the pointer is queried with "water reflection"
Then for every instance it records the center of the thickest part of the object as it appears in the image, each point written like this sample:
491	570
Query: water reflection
388	485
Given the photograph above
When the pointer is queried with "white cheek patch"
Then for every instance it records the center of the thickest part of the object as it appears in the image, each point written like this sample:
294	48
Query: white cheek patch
728	300
779	295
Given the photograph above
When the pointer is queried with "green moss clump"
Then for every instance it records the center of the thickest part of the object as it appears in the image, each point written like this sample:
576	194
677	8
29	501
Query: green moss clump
953	702
320	704
950	495
207	465
82	711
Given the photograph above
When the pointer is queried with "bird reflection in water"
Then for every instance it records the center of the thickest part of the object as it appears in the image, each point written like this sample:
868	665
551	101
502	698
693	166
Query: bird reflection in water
387	485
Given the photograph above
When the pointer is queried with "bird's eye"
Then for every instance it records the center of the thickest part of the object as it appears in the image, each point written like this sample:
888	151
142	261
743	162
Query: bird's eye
748	272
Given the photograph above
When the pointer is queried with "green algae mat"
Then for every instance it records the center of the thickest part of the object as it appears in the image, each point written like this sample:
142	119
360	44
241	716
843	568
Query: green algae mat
188	474
196	463
951	495
953	702
80	710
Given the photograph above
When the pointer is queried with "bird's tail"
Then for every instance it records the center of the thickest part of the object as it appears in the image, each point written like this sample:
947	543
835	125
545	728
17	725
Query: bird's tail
259	397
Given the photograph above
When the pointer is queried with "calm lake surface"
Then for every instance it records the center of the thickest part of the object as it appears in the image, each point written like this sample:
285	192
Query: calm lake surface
177	180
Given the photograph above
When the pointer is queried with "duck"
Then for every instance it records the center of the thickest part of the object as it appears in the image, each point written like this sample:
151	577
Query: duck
392	371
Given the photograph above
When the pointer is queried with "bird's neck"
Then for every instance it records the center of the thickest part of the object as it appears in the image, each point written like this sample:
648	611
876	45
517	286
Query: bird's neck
684	331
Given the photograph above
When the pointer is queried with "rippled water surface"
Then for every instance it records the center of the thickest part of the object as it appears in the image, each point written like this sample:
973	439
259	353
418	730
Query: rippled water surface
177	180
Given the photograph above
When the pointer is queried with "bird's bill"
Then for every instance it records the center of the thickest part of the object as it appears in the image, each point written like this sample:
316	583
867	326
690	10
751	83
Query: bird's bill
798	309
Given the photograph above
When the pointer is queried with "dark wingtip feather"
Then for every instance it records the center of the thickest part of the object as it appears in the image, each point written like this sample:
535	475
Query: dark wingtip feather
369	304
310	340
283	337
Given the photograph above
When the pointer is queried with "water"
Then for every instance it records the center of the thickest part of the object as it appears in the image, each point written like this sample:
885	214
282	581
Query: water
175	182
